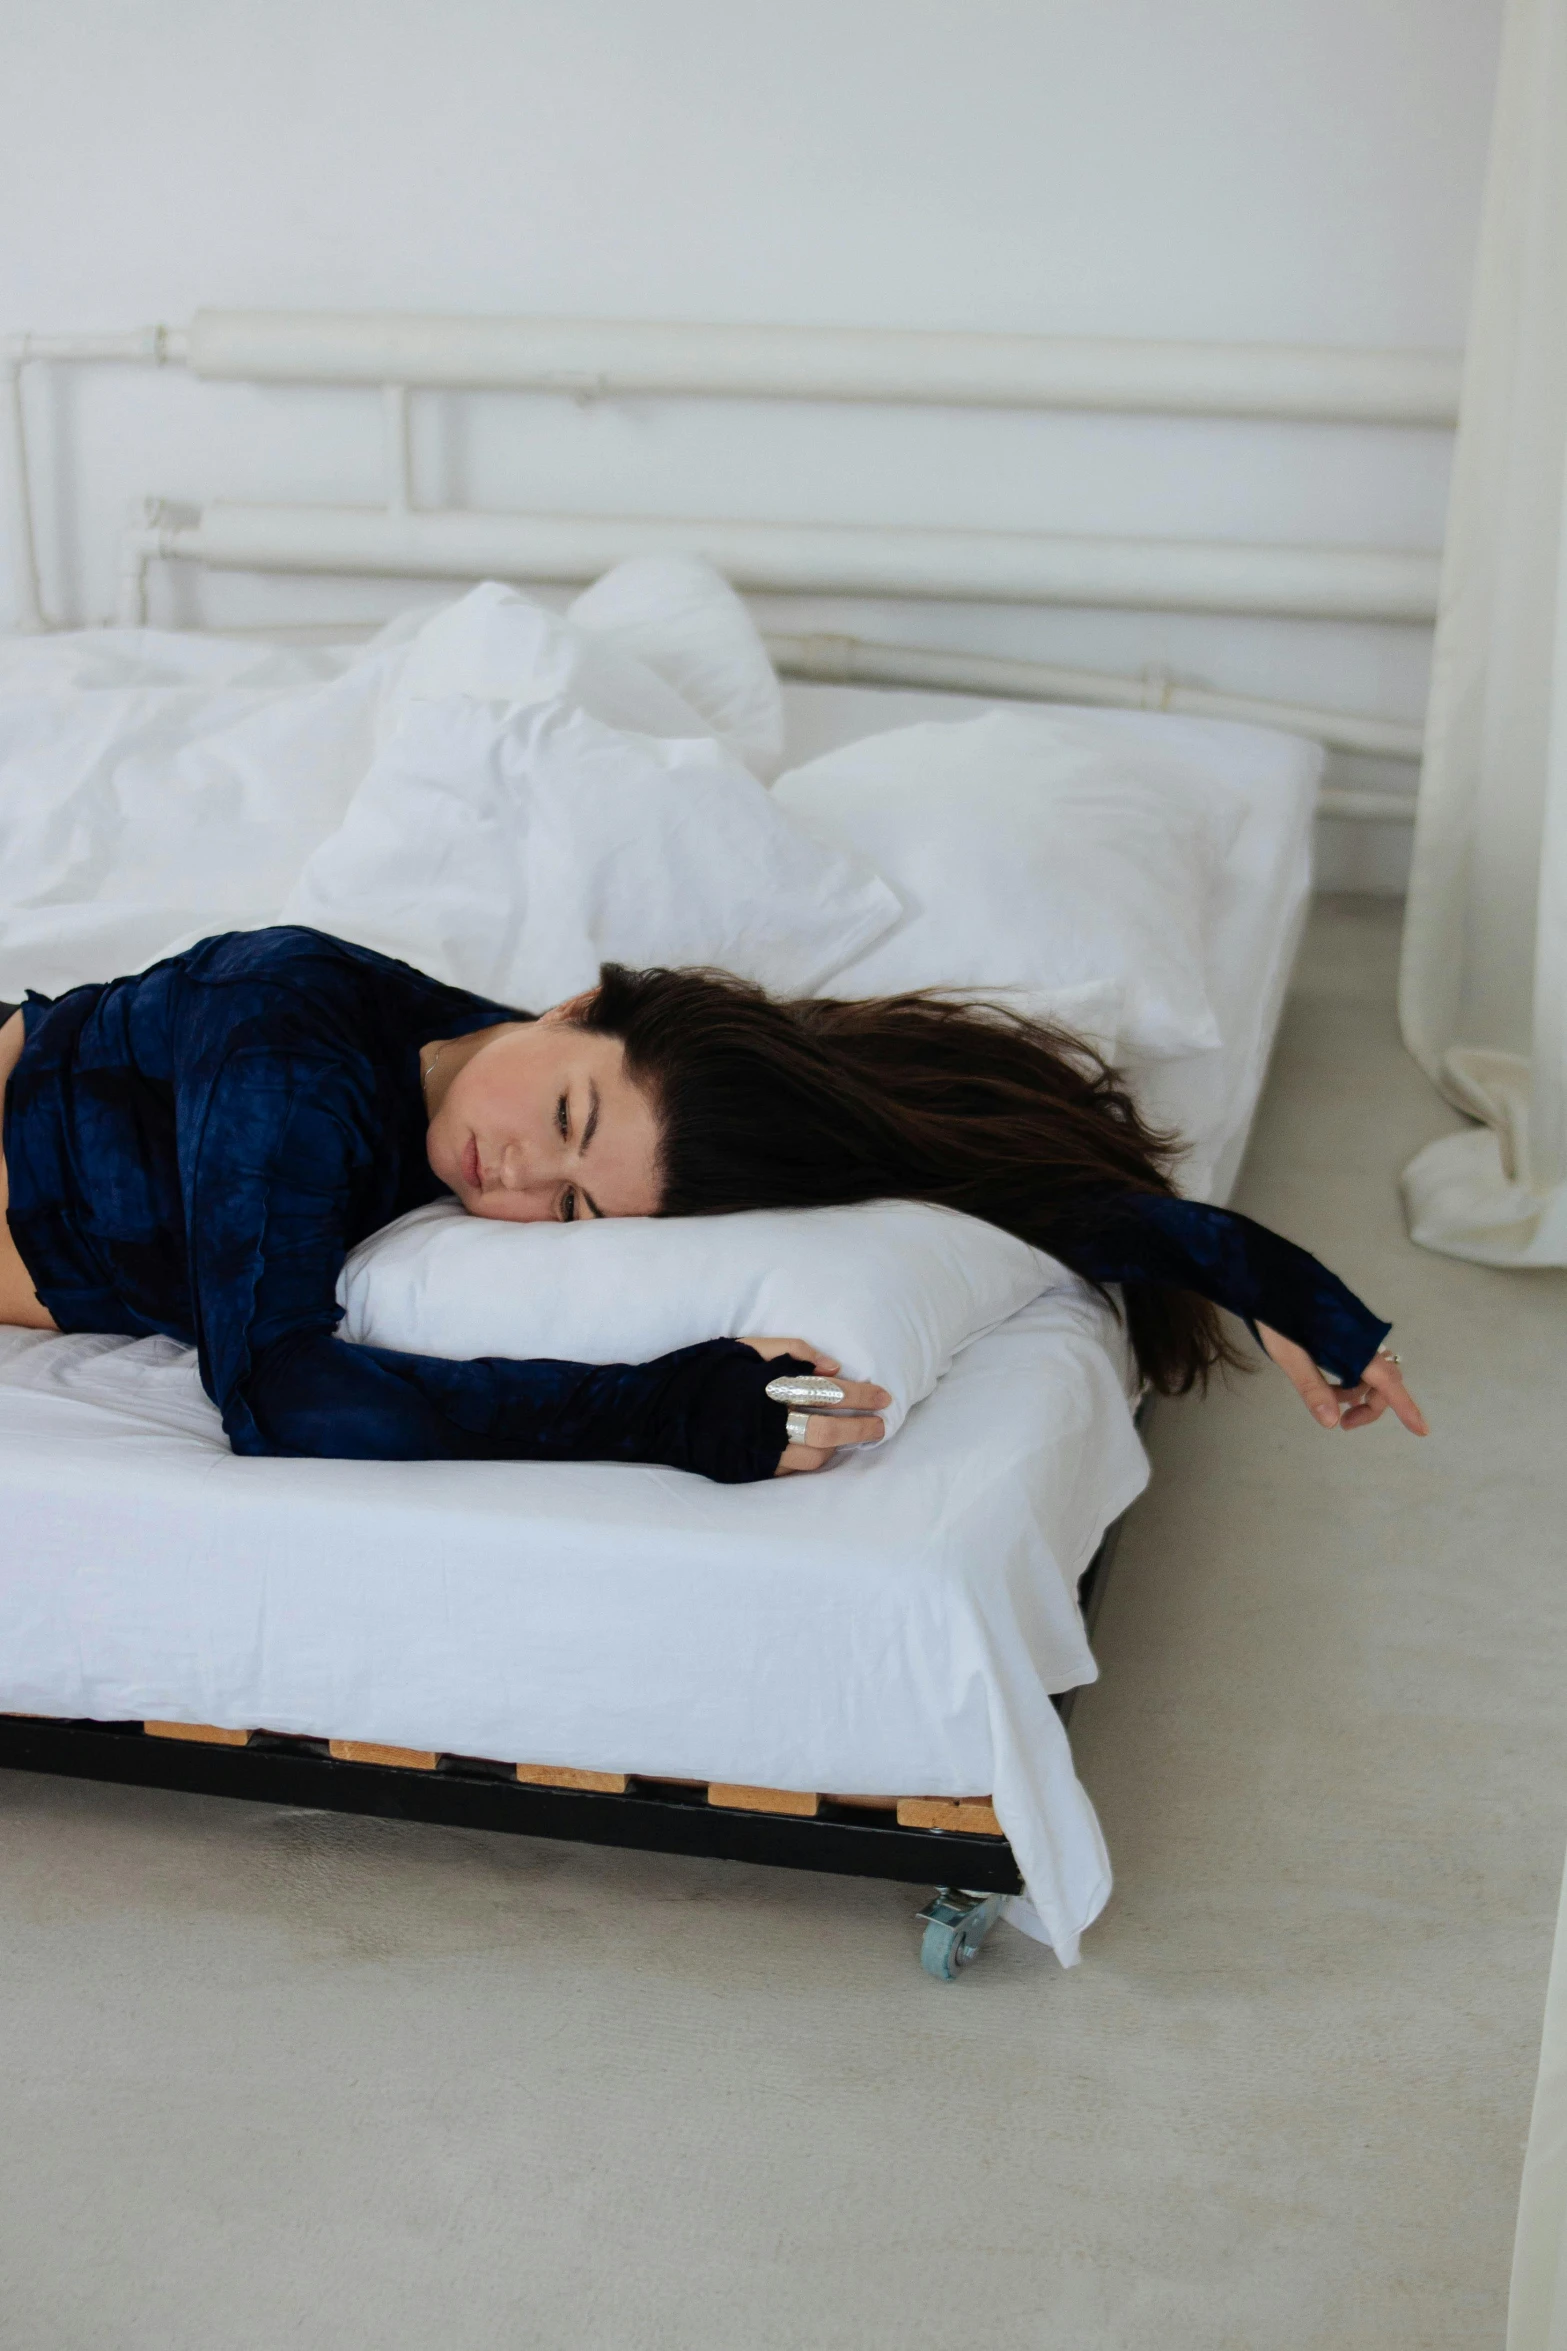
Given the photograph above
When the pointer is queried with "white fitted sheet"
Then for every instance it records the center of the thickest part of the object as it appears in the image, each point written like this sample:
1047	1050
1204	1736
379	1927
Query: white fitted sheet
894	1627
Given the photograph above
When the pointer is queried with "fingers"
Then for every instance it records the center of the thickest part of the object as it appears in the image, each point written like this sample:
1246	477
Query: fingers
801	1348
828	1434
1379	1389
1362	1407
1316	1393
864	1396
826	1431
1386	1383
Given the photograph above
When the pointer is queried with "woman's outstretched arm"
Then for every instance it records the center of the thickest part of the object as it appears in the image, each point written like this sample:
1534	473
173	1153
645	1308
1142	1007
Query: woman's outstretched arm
1327	1341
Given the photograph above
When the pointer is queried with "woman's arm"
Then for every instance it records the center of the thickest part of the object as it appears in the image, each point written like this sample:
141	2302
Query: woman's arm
270	1157
704	1408
1325	1339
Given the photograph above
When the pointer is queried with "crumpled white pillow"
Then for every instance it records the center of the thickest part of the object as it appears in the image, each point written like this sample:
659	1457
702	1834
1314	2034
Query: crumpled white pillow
514	848
495	645
680	617
1033	852
661	644
892	1288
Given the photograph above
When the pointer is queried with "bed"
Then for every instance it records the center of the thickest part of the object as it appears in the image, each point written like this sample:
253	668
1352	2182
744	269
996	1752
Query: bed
867	1672
855	1672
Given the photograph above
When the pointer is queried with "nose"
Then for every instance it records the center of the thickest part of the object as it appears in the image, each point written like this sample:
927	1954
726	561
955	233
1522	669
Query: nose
519	1189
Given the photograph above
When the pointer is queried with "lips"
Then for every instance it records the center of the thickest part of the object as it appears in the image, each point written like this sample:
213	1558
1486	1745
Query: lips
470	1165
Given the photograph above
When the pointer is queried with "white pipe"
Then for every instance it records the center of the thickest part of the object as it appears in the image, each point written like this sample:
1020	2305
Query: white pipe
842	660
399	456
140	542
1368	807
139	346
153	346
1348	583
602	357
19	501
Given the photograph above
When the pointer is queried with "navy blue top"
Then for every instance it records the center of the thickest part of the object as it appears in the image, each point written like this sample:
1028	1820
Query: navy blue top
196	1150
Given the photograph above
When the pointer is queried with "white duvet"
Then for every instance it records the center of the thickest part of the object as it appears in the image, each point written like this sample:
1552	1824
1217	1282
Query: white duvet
501	794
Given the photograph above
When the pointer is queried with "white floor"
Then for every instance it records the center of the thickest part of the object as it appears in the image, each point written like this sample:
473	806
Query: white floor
275	2079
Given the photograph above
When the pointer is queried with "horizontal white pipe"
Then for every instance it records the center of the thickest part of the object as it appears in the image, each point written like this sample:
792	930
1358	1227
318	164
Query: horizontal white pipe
1368	807
846	660
153	346
843	660
826	559
602	357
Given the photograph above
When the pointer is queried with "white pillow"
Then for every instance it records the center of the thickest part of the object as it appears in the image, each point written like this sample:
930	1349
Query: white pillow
1033	852
680	617
498	646
512	849
662	643
892	1288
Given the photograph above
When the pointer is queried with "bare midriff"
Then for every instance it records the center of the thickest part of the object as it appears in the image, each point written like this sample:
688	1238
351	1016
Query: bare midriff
18	1299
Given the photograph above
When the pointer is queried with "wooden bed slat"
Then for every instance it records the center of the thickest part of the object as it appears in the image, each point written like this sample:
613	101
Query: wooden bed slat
971	1816
801	1803
560	1775
367	1751
205	1734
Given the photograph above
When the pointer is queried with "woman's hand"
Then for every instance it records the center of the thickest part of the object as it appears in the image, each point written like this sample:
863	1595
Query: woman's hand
1379	1386
856	1422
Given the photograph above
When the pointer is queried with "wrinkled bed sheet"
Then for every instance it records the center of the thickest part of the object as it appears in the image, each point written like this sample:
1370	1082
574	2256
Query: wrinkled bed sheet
893	1627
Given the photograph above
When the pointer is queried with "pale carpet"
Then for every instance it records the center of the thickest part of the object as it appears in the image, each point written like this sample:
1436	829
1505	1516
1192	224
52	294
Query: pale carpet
275	2079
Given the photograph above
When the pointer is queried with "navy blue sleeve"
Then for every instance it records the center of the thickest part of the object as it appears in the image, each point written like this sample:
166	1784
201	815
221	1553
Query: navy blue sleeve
1150	1236
268	1182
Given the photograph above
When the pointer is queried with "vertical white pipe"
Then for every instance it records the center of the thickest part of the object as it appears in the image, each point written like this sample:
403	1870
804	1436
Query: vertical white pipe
399	456
24	552
130	605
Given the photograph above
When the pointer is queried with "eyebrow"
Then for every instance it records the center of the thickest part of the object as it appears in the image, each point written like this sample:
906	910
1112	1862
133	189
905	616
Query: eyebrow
591	1129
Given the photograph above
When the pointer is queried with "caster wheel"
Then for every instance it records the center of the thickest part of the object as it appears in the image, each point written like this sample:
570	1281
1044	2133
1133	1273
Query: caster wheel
955	1929
944	1952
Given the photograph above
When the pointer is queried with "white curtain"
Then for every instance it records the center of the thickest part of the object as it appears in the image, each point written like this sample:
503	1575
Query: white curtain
1484	987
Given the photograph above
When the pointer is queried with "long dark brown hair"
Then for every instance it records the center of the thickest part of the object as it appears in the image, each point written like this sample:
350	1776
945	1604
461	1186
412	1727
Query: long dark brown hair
817	1102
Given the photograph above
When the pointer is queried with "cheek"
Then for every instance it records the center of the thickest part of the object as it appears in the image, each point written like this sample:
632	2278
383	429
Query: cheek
512	1208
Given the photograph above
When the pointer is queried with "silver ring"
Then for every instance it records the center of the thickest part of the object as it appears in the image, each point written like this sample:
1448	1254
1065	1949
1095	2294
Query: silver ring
1388	1356
797	1426
791	1389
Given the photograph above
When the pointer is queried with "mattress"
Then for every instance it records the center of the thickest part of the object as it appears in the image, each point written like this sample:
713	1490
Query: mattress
896	1626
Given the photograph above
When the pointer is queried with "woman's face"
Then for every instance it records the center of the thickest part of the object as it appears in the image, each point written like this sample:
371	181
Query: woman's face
543	1122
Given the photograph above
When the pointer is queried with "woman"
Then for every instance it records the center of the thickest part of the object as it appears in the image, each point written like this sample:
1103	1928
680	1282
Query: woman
194	1151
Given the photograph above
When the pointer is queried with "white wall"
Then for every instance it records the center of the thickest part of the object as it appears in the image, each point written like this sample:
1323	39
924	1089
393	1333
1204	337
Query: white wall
1300	170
